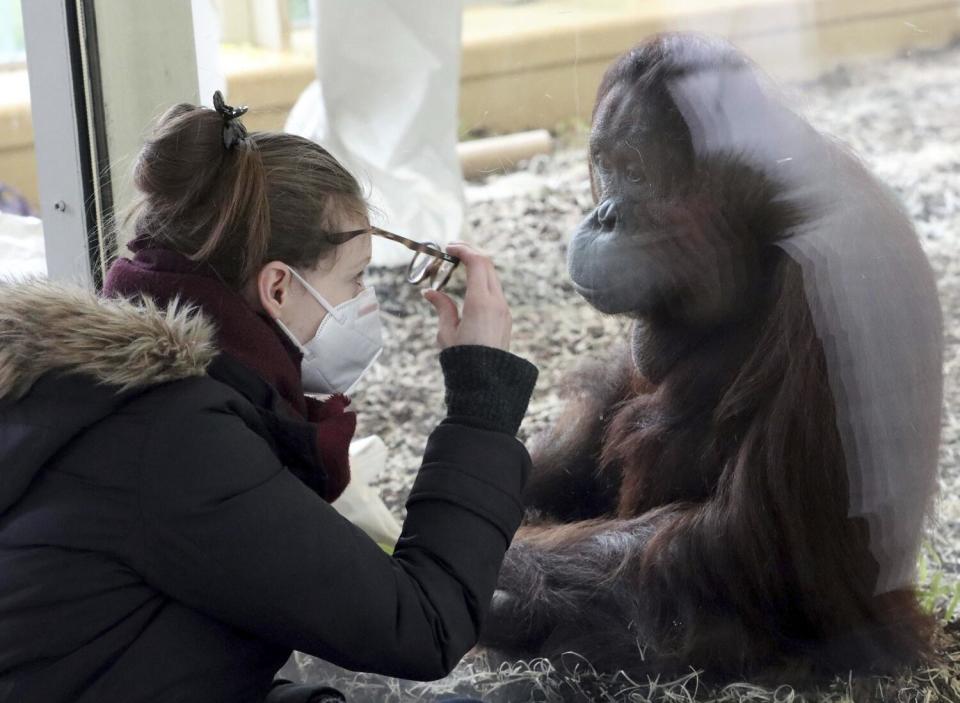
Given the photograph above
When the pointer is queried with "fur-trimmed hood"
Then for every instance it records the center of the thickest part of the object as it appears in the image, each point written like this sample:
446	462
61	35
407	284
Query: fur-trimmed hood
69	359
47	326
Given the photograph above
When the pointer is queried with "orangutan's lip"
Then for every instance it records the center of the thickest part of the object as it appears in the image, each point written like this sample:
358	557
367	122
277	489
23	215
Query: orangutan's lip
593	296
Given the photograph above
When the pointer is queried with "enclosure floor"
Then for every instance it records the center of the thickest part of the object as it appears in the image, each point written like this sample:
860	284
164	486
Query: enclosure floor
900	115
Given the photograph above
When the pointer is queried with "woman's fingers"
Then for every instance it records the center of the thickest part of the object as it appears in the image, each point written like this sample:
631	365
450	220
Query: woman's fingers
479	266
447	314
480	261
494	282
485	319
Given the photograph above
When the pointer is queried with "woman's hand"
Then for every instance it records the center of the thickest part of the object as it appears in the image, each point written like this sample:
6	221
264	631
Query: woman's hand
486	319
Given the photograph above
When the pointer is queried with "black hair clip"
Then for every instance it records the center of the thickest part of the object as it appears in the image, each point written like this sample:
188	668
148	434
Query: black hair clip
233	130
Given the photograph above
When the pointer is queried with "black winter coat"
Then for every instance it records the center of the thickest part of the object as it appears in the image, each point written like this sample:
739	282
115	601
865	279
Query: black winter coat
155	547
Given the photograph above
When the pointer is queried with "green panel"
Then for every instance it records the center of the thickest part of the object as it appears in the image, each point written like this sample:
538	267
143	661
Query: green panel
11	32
299	11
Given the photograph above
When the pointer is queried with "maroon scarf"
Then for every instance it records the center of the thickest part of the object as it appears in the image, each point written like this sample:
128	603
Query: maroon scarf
250	337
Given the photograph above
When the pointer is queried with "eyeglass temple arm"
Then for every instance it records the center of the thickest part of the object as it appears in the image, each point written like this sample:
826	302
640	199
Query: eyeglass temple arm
416	246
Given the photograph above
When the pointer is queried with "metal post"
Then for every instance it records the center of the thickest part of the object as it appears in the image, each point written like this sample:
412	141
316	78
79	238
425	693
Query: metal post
65	155
100	72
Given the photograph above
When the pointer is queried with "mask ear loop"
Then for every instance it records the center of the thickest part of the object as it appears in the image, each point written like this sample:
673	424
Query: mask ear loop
316	295
292	336
307	354
320	299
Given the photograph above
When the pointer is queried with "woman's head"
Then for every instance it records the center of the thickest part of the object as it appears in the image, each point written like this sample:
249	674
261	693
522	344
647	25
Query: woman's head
269	202
271	197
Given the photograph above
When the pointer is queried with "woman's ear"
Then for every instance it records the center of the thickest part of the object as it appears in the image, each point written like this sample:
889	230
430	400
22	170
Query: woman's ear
273	287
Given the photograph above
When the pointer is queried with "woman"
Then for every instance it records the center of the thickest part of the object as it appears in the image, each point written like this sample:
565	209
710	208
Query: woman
165	527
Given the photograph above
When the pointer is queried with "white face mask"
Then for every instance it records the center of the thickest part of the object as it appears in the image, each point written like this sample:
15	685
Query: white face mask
346	344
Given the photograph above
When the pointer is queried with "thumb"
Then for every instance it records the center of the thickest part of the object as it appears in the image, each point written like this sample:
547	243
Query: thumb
446	309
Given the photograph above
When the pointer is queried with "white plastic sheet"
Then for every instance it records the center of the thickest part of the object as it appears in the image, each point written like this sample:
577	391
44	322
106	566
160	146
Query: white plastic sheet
360	503
385	104
22	249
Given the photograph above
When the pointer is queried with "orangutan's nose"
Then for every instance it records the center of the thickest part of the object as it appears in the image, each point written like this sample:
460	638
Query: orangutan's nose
607	214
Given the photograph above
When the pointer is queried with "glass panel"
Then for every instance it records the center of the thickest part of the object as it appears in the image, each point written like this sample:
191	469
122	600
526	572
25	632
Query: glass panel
735	264
21	232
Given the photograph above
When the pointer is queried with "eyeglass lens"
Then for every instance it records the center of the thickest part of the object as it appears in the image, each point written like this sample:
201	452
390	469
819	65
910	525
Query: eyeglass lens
442	275
424	266
421	265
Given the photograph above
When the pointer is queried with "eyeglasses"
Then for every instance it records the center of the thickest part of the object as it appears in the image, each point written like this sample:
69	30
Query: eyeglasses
429	263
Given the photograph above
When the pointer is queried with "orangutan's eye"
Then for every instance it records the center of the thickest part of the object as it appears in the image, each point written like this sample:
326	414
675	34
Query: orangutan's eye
635	175
601	164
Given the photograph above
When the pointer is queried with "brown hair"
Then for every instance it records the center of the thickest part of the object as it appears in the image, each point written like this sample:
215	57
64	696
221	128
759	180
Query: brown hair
272	196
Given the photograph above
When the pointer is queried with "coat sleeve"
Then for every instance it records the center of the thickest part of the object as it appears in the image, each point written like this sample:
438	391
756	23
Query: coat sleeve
228	531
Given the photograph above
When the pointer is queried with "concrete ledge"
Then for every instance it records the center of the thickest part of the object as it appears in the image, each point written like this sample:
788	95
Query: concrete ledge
18	167
512	38
538	65
270	82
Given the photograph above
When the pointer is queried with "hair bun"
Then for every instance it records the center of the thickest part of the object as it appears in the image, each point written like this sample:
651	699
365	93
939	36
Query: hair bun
182	157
